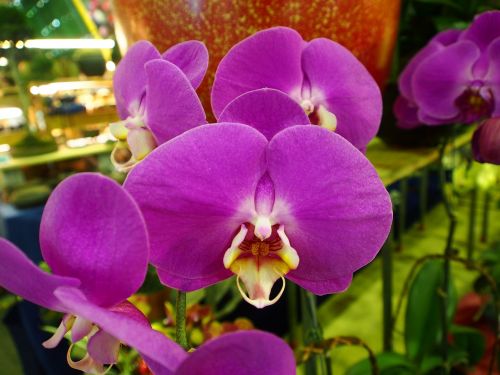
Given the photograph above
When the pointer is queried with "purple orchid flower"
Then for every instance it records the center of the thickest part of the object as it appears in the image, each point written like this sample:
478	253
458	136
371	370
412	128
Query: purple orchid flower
94	239
486	142
456	77
302	202
156	98
329	83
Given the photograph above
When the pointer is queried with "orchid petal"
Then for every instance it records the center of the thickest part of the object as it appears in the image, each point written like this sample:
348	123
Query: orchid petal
332	204
343	85
129	81
443	77
191	57
483	30
406	113
92	230
125	328
141	143
493	76
172	106
103	347
199	187
58	335
81	327
269	58
267	110
242	353
20	276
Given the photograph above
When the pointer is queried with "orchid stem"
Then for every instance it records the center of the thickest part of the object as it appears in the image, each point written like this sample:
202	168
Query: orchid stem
180	320
313	334
293	319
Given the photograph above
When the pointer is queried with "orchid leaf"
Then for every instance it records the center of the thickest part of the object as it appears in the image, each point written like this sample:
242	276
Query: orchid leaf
423	328
389	363
471	341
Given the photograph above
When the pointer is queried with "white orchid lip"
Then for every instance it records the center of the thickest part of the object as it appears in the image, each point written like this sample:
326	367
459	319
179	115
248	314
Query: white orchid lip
259	259
321	115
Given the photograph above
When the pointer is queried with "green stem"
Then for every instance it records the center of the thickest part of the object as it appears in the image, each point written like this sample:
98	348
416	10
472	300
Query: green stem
180	320
293	308
313	334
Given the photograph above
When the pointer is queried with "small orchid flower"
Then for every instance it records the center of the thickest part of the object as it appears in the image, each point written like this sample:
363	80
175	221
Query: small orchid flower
156	98
456	77
94	239
331	85
222	199
486	142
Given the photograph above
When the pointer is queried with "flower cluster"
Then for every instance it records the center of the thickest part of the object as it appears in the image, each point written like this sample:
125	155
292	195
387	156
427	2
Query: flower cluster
277	187
454	78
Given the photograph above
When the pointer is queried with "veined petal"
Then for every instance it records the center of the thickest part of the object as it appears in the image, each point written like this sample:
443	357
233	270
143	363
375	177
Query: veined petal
126	328
484	29
129	81
172	106
267	110
268	58
242	353
343	85
20	276
493	76
103	347
441	78
335	210
92	230
191	57
195	191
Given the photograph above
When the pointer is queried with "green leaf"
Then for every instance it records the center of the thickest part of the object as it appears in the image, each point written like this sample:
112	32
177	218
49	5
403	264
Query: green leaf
9	358
471	341
423	326
389	363
430	363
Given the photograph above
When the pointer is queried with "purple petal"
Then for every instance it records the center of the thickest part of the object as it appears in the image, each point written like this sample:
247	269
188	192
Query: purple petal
484	29
486	142
92	230
103	347
269	58
447	37
126	328
340	82
267	110
129	81
441	78
334	208
406	113
191	57
172	106
194	193
242	353
20	276
492	78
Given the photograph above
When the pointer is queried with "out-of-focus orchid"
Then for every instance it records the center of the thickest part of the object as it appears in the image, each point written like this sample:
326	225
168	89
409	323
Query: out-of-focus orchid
223	199
156	98
94	239
329	83
455	78
486	142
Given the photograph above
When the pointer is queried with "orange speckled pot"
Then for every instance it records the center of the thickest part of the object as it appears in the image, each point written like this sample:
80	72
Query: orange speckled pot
367	27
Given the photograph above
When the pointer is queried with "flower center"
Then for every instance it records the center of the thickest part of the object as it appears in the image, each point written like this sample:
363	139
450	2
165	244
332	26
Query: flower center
81	328
475	102
319	115
259	255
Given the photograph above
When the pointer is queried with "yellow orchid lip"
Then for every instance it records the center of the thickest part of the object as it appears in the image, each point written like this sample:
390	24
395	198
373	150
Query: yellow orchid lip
259	263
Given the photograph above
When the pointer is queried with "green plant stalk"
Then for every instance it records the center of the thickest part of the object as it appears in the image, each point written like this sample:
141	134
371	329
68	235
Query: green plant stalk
22	90
313	334
387	289
293	308
180	320
448	252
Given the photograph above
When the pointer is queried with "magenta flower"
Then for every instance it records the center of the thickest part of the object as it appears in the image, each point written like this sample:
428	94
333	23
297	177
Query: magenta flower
94	239
455	78
330	84
486	142
156	98
223	199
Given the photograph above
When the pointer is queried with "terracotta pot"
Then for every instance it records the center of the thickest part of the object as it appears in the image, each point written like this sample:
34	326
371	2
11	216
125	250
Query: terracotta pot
367	27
